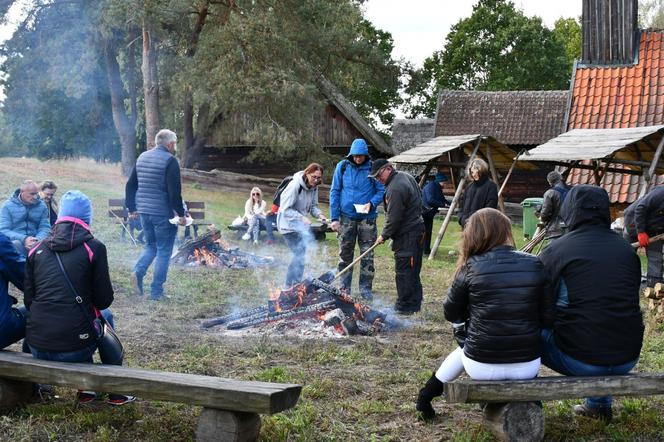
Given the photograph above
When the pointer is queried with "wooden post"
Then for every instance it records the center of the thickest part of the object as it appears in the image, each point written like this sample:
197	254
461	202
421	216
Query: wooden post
653	167
227	426
453	204
14	393
494	174
509	173
427	169
515	421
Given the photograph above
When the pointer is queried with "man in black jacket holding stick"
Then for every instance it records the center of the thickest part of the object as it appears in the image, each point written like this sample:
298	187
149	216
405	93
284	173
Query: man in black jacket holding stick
404	225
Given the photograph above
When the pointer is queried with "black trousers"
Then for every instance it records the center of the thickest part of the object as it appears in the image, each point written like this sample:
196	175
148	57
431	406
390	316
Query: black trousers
408	248
428	228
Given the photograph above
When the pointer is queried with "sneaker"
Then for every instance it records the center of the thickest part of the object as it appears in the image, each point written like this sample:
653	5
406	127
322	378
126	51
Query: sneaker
255	242
85	396
269	242
246	237
136	284
602	413
119	399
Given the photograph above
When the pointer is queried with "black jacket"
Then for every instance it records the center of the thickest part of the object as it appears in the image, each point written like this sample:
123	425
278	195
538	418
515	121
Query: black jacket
403	205
500	292
478	195
55	321
646	214
593	304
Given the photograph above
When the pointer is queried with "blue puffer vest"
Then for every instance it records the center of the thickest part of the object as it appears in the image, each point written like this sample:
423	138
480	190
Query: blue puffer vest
152	194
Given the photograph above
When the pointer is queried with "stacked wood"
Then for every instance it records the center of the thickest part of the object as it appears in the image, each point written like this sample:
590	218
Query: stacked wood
655	297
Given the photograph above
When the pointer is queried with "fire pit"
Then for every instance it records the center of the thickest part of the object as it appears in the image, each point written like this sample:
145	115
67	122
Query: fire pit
315	303
211	250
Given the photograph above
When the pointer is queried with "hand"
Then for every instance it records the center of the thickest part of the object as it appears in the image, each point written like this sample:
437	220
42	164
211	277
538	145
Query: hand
182	221
367	207
380	239
335	226
306	221
133	215
323	219
460	333
643	239
29	242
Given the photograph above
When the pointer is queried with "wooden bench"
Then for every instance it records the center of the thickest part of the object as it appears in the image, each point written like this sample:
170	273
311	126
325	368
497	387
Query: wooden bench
118	211
318	230
512	411
230	408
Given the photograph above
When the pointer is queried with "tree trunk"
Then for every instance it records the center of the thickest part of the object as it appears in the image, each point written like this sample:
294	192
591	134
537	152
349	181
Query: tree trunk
123	124
150	87
188	117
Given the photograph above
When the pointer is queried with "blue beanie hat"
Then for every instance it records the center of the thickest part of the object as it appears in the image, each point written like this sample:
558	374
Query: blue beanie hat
76	204
440	177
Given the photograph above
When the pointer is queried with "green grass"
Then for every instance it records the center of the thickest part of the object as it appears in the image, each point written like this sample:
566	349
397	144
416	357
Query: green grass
356	389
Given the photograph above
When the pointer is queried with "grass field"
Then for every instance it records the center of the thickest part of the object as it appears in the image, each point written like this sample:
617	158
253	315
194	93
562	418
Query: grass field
355	389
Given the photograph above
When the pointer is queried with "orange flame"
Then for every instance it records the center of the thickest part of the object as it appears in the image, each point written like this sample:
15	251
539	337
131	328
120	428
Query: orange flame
223	243
202	256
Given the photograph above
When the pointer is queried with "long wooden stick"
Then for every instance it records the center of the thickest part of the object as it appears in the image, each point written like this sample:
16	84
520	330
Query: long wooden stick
355	261
122	223
650	240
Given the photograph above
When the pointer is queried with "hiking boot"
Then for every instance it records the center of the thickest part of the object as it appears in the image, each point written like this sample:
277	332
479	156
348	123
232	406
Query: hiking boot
119	399
136	284
432	389
84	397
602	413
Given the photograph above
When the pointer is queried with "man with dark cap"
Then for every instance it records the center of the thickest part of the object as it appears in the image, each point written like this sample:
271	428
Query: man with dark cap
432	199
645	218
353	201
591	319
405	227
553	201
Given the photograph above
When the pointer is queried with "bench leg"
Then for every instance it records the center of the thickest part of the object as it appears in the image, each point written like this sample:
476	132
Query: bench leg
14	393
222	425
515	421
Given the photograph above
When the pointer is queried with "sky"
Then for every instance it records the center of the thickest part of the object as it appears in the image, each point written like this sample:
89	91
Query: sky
419	27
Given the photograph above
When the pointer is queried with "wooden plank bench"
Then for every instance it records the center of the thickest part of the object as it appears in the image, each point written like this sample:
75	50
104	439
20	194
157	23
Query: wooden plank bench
230	408
512	411
118	211
318	230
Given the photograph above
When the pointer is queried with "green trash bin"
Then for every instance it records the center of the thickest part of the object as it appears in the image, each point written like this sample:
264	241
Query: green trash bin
530	220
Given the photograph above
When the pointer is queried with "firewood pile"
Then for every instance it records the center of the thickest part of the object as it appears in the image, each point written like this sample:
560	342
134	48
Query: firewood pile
211	250
655	297
311	300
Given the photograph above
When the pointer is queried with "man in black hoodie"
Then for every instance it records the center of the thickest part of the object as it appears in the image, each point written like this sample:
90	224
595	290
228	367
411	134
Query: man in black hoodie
593	324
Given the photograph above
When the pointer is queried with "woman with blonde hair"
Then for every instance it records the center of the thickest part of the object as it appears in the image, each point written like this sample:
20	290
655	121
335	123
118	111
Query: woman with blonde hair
480	193
493	305
254	214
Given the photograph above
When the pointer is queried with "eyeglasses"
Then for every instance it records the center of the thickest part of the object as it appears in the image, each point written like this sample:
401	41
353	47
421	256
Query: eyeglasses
255	194
316	177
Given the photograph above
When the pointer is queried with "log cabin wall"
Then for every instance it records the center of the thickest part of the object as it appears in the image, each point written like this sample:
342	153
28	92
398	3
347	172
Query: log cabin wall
609	31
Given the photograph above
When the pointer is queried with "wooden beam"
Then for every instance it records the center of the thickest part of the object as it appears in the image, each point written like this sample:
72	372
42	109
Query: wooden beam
425	174
653	166
552	388
494	174
509	172
206	391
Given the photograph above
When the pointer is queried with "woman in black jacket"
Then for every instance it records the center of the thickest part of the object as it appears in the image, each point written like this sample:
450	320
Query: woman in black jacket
59	326
493	305
480	193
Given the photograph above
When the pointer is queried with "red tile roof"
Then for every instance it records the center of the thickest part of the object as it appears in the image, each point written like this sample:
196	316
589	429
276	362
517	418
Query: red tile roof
620	96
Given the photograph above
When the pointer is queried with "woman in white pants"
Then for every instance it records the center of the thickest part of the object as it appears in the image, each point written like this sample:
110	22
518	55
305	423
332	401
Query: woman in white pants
493	304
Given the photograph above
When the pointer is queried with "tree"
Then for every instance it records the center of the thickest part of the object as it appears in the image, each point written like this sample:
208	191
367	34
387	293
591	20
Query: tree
567	32
496	48
651	14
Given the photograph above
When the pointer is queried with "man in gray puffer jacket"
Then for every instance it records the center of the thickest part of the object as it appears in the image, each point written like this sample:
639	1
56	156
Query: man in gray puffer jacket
24	218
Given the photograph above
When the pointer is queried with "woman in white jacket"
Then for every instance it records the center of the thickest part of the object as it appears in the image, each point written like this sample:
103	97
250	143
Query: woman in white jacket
254	214
298	200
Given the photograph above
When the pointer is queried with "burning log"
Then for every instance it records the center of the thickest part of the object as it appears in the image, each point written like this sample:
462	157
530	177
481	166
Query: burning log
334	317
268	317
233	316
350	306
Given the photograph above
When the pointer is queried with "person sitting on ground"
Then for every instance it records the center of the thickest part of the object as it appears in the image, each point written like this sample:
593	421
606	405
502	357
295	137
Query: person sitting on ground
432	200
592	318
12	269
24	218
644	218
255	216
480	193
493	306
551	204
59	328
47	194
298	200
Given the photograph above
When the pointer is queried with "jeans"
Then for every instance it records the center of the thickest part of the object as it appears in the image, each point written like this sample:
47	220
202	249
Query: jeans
254	226
364	232
12	328
298	247
159	238
556	360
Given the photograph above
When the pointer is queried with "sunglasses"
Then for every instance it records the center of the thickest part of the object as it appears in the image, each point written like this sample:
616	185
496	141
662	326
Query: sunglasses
255	194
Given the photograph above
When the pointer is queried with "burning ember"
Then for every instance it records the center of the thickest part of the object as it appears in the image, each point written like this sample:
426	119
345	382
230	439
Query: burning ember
311	300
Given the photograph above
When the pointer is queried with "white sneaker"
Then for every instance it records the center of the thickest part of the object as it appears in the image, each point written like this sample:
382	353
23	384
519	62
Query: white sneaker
246	237
255	241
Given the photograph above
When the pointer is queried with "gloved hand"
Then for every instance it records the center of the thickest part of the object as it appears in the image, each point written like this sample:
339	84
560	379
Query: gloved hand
460	333
643	239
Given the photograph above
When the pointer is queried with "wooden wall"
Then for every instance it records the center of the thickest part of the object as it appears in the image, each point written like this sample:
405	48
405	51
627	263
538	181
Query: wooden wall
609	31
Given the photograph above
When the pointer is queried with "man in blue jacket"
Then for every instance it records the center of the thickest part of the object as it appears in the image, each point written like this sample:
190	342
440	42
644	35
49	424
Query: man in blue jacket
354	197
432	199
24	218
12	269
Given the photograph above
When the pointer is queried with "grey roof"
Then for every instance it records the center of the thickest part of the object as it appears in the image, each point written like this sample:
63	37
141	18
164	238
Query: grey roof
407	134
513	117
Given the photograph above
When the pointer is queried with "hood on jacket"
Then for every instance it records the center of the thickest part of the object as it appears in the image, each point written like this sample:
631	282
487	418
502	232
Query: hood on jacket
67	234
586	204
17	199
359	147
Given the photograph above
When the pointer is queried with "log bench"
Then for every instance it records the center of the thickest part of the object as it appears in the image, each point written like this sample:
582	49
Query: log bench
230	408
513	411
318	230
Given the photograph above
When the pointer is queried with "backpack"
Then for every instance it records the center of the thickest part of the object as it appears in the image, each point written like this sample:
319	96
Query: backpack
280	189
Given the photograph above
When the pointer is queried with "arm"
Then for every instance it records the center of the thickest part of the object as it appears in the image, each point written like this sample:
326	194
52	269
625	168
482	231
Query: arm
547	205
248	206
379	192
13	266
315	210
456	305
433	196
6	225
130	191
44	223
102	290
174	186
28	283
335	193
394	214
288	199
492	195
